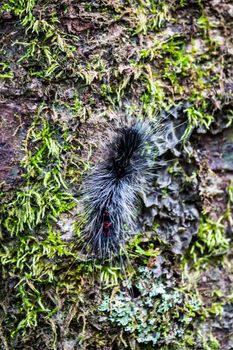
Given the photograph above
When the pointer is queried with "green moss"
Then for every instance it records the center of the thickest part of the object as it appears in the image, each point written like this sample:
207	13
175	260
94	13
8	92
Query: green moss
43	196
5	72
211	240
211	243
197	117
150	15
46	45
31	256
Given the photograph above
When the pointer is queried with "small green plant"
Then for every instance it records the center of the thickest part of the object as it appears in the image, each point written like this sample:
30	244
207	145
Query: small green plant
150	15
230	203
205	24
211	241
109	275
197	118
5	72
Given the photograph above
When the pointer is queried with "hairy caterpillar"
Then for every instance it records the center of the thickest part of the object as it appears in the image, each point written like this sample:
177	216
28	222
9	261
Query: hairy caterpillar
111	191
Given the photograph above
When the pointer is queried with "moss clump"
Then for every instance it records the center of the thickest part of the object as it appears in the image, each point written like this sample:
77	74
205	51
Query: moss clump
211	240
44	194
30	248
211	244
5	71
47	49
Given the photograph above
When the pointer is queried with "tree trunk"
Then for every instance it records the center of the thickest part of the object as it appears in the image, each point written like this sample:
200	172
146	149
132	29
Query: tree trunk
71	73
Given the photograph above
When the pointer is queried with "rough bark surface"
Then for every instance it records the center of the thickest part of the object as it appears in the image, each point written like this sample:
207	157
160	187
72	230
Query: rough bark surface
70	72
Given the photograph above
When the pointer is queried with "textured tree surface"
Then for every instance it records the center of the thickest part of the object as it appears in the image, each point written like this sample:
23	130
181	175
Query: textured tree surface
70	71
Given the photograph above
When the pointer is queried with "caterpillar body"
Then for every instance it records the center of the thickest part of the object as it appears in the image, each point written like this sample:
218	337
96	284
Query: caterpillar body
111	191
